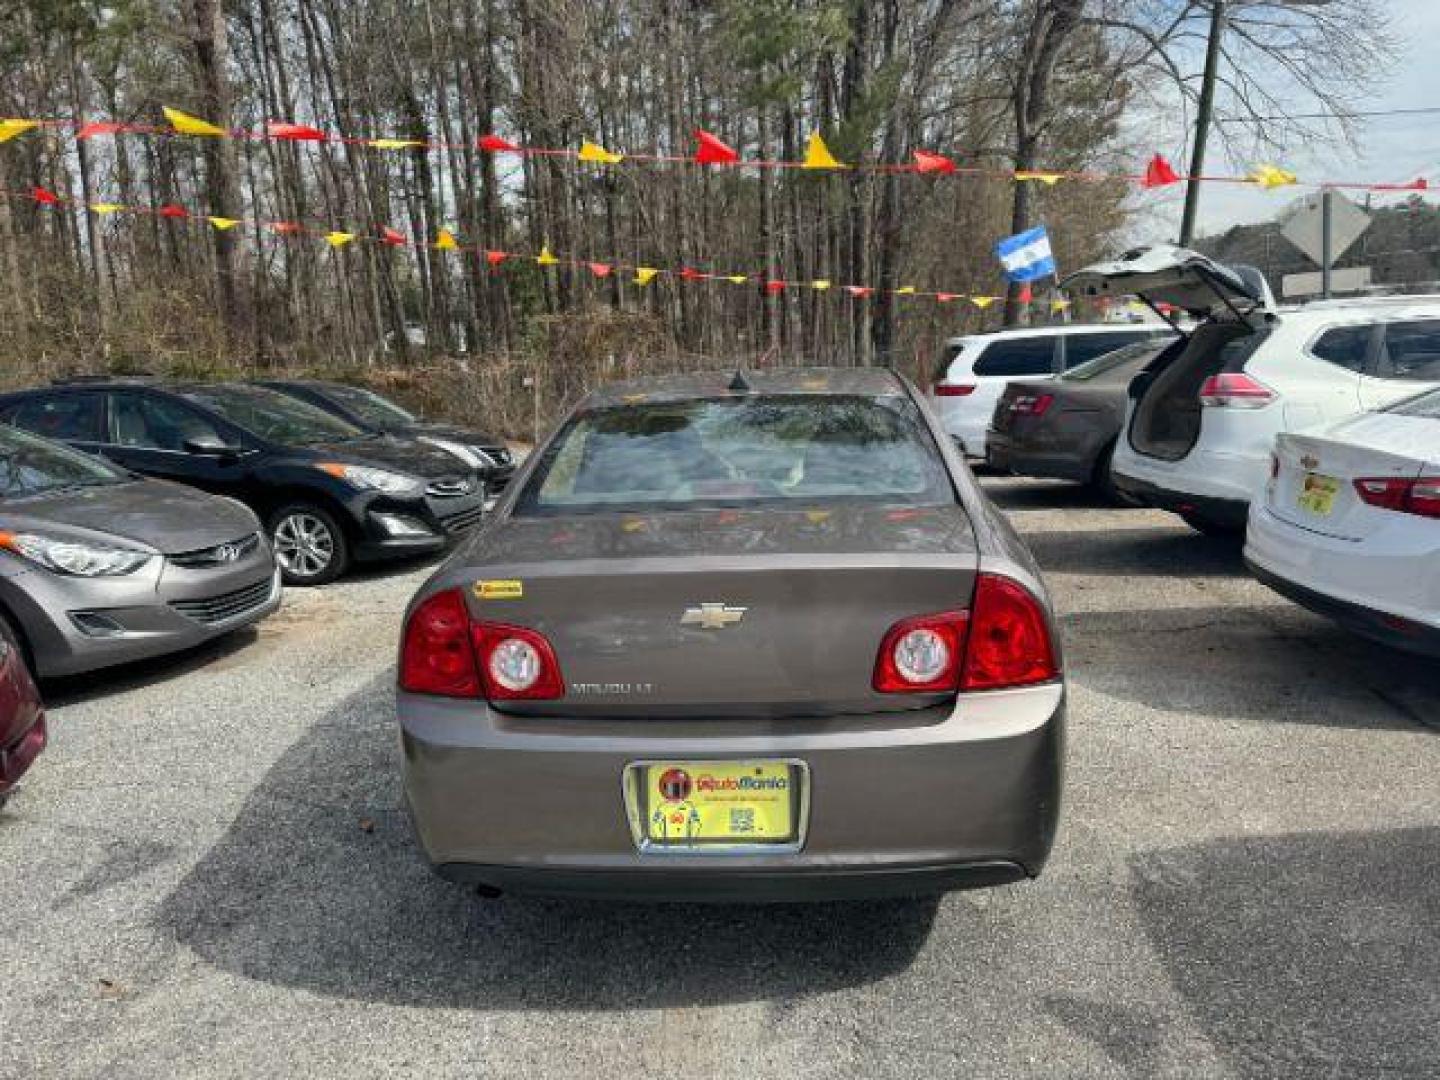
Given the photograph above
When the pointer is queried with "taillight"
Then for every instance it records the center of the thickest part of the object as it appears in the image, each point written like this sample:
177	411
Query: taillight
1009	640
1032	404
1418	496
1235	390
517	663
436	656
947	389
1002	641
921	655
444	652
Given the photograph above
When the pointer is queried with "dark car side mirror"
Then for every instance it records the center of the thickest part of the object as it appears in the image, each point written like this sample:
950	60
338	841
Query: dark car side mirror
211	446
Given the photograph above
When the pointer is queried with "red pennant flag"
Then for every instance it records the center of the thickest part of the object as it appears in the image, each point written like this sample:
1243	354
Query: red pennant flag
713	151
285	228
44	197
926	162
859	290
282	129
1027	294
946	297
98	127
495	258
496	145
172	210
393	237
688	274
1159	173
601	269
775	288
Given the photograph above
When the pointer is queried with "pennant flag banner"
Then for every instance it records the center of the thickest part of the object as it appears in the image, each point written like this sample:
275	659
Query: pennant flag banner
710	151
446	240
1027	256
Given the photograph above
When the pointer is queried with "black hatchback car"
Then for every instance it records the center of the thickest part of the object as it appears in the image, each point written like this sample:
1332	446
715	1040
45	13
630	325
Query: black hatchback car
487	455
328	493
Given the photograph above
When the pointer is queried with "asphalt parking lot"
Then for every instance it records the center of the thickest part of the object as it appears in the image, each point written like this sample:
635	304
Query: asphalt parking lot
209	873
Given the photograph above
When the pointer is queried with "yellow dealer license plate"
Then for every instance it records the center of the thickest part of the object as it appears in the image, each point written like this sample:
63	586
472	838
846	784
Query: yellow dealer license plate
1317	493
698	803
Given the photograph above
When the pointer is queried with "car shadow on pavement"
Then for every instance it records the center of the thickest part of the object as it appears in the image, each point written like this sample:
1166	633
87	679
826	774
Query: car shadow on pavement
1277	664
1131	552
319	885
1306	954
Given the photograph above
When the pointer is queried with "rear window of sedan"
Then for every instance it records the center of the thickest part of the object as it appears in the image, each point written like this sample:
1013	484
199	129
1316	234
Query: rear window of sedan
738	451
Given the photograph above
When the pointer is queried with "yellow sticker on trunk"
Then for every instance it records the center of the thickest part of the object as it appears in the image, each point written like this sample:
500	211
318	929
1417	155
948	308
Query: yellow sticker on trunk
499	590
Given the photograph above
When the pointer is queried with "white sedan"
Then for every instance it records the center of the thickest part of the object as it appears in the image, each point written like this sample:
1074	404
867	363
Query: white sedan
1350	523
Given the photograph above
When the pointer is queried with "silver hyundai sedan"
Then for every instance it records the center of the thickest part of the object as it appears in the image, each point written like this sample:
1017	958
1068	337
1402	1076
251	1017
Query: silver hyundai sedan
99	566
737	637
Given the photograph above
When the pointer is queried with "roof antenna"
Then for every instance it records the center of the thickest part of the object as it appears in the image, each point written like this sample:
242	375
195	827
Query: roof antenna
739	383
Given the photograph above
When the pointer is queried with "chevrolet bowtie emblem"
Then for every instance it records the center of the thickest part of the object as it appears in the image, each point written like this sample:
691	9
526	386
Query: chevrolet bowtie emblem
712	616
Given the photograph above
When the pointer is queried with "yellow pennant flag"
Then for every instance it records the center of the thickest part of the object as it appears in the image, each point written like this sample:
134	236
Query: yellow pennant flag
223	223
1269	176
982	302
185	124
645	274
546	257
818	156
339	239
394	144
446	241
11	128
598	155
103	208
905	290
1049	178
737	279
820	284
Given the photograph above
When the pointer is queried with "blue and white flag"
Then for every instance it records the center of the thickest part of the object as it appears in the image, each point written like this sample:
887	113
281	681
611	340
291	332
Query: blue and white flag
1027	256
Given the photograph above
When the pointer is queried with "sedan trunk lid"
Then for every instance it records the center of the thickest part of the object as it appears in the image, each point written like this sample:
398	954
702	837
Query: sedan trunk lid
758	612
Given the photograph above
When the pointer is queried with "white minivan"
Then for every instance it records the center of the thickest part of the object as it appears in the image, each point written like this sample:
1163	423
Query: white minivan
974	370
1204	414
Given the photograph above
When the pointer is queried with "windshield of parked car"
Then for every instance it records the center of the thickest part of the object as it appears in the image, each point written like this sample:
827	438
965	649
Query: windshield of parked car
741	451
1130	357
30	465
369	406
1426	405
273	416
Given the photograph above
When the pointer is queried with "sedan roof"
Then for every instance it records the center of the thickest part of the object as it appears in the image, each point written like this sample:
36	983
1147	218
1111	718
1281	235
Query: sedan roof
867	382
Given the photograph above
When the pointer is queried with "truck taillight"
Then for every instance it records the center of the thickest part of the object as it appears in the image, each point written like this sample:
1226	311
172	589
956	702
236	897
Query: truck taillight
1002	641
446	653
1235	390
947	389
1420	496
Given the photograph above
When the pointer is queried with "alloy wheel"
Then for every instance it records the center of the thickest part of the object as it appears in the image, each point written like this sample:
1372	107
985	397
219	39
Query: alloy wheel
304	545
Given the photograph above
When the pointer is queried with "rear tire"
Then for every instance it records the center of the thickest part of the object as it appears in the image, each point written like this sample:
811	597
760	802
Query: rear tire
1102	481
309	544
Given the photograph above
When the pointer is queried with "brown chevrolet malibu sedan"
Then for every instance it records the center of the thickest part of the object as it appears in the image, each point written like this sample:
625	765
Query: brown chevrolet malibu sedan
750	636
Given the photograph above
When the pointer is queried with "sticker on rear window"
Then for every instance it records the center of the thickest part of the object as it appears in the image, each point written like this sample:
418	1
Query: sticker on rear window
499	590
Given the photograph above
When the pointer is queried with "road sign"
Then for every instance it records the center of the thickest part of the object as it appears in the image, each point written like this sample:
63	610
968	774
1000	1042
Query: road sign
1304	225
1349	279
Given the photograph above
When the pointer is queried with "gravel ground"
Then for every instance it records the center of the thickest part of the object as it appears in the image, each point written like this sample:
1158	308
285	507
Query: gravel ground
209	873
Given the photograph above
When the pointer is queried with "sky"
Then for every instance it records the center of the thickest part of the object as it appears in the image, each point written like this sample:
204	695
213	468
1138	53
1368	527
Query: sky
1391	149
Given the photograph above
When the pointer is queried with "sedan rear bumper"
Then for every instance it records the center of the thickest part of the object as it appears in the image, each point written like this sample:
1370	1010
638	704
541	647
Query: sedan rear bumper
899	803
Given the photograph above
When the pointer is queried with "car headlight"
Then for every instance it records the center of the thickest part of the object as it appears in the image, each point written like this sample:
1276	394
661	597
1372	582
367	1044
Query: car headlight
467	454
367	479
74	557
